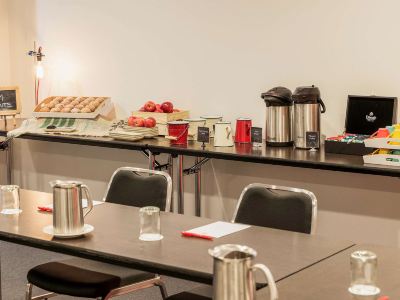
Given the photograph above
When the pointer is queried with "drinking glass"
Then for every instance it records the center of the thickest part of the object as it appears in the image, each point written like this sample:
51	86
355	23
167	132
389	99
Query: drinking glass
9	197
363	266
150	226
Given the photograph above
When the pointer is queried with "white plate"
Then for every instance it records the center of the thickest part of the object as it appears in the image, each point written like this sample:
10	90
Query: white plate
86	229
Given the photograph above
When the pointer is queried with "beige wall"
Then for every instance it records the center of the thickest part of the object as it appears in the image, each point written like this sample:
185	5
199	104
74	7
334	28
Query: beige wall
4	45
214	57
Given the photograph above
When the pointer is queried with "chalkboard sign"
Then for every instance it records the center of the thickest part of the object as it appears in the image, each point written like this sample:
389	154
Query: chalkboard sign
256	135
9	101
312	139
203	134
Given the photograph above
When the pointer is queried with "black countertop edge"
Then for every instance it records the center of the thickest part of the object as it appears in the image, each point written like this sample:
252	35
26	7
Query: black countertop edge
108	258
361	169
330	166
85	141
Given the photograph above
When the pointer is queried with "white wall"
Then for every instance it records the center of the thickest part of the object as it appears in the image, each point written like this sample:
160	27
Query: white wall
214	57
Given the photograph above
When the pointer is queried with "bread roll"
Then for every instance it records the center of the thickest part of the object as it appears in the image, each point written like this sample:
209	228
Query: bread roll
55	109
75	110
92	106
45	109
86	110
66	109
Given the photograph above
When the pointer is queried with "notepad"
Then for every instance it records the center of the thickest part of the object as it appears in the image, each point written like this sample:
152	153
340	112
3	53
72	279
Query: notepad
218	229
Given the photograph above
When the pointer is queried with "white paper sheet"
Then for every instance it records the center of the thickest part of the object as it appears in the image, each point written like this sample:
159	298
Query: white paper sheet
84	204
218	229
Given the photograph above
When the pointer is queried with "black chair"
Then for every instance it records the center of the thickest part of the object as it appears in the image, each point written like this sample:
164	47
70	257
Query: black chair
91	279
277	207
268	206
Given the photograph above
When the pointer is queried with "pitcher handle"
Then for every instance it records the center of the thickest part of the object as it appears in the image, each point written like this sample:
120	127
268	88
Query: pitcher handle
88	199
270	279
228	132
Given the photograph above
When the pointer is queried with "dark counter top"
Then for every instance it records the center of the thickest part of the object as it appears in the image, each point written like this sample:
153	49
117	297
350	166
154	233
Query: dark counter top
284	156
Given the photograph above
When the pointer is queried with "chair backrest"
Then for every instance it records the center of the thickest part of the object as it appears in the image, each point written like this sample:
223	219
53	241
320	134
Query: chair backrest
140	187
277	207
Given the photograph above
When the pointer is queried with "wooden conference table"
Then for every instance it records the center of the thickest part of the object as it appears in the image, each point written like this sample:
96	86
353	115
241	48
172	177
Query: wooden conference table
115	240
284	156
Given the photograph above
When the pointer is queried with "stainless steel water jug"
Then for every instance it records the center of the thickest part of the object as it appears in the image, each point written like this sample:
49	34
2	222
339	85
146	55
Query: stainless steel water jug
68	211
279	115
308	107
234	273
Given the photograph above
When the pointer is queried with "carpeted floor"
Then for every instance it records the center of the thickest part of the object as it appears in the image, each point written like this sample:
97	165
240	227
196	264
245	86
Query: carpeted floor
16	260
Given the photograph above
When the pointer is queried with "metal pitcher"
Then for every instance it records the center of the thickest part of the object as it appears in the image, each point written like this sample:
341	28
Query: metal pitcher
68	211
234	273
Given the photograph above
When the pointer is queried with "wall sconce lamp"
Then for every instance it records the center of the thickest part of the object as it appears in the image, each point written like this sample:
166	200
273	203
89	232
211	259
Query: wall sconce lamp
39	71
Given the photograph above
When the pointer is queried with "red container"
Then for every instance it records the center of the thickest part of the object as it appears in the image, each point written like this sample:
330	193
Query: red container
381	133
243	130
178	132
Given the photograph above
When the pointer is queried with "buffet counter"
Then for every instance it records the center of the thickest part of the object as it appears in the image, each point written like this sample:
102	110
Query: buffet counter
284	156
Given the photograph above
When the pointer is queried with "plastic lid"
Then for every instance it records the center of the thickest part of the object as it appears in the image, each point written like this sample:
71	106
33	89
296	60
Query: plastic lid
177	122
306	95
278	96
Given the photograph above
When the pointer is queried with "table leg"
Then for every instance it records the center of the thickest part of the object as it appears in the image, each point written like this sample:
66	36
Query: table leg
9	162
152	161
181	199
197	189
171	173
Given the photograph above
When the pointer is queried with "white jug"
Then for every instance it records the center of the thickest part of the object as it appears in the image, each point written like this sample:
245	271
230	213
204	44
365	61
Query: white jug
223	134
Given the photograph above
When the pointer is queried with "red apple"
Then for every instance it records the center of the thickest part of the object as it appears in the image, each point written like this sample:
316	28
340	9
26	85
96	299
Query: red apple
149	106
158	109
131	119
142	108
138	122
167	107
150	122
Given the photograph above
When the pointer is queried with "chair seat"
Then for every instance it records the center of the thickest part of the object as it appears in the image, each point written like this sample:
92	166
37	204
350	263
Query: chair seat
83	278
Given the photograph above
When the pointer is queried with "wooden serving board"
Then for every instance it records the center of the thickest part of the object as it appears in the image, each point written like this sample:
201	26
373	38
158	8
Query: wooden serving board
102	109
163	118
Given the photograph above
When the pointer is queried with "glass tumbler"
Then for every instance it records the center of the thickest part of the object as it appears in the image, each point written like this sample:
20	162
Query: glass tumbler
9	197
150	226
363	266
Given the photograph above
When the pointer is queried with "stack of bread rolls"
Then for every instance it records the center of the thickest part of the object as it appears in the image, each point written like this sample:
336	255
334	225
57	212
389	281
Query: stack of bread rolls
72	104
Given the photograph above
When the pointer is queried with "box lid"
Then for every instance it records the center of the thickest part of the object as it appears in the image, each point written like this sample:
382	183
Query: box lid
365	114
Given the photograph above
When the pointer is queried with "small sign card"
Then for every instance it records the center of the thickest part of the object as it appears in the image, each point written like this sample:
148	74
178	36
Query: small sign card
256	135
9	101
312	139
203	134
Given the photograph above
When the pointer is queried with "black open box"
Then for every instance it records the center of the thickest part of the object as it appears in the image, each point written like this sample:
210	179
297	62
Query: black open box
364	116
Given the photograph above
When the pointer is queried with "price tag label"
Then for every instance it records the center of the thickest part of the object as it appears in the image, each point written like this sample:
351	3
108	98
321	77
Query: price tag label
256	135
312	139
203	134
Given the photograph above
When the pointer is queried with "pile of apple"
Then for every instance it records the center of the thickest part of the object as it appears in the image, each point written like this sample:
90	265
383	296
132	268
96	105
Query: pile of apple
165	107
141	122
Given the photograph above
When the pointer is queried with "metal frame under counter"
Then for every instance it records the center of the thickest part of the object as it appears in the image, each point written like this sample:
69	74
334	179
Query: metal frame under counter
283	156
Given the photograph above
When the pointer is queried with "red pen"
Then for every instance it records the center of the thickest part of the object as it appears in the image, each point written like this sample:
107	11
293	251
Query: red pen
44	208
201	236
